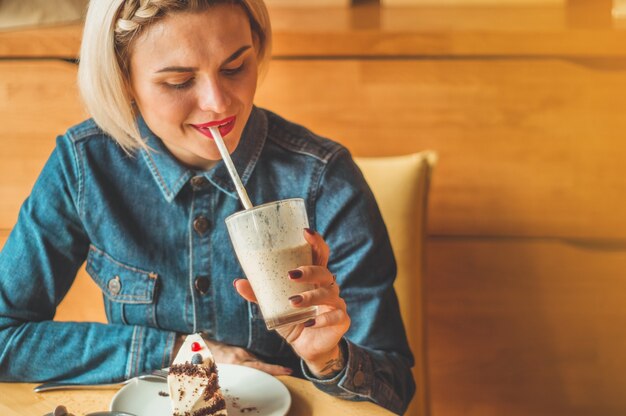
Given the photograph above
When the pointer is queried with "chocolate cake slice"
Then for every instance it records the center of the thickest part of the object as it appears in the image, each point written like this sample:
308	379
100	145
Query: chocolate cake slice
193	382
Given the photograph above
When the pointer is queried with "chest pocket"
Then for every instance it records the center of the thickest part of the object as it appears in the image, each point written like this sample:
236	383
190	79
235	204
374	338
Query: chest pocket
129	292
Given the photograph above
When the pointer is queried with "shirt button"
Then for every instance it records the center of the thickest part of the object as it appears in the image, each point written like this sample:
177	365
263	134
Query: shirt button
358	379
202	285
201	225
115	285
198	181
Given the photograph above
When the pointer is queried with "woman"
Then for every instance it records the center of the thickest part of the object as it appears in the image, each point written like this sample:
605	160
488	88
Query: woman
140	194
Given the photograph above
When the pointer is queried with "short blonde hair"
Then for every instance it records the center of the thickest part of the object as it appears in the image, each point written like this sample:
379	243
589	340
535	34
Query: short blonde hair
110	28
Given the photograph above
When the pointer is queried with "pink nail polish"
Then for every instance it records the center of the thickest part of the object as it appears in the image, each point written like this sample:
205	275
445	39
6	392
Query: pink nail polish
309	231
309	323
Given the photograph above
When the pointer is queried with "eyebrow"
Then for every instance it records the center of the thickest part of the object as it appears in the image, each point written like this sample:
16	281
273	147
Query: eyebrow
231	58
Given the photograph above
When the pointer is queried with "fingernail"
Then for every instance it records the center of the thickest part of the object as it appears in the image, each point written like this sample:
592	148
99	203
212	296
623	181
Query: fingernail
295	274
295	299
309	231
309	323
288	371
235	283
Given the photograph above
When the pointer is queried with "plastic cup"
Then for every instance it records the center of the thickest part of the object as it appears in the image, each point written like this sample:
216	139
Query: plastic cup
269	241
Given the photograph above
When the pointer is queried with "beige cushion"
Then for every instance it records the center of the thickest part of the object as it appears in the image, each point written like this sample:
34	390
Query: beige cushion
400	185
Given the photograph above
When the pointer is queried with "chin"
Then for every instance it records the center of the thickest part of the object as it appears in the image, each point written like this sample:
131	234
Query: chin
205	153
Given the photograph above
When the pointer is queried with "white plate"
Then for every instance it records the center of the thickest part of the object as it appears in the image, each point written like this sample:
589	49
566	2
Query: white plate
242	387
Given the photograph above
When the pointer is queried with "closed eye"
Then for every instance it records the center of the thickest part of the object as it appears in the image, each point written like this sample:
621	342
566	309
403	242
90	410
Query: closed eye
181	85
233	71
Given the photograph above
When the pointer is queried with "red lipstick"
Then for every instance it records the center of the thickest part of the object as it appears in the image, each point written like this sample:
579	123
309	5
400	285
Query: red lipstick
225	126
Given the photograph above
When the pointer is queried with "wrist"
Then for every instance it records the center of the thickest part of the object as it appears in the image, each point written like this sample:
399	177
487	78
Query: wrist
328	365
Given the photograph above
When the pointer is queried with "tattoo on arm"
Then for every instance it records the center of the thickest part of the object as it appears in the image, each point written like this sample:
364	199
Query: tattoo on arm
333	366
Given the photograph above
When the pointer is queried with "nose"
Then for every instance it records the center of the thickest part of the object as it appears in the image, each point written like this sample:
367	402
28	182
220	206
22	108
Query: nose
213	96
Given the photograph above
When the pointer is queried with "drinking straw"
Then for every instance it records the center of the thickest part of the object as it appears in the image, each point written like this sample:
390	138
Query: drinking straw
241	191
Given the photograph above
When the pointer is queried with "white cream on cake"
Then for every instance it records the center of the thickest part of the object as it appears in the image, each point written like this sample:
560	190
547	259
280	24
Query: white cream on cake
192	381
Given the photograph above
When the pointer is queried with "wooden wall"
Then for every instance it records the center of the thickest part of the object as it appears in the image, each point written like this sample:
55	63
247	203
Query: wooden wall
526	256
526	261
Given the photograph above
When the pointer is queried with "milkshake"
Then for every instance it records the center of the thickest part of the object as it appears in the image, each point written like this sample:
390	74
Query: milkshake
268	240
267	272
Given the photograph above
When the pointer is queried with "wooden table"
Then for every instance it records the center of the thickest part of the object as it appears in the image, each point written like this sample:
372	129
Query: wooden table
18	399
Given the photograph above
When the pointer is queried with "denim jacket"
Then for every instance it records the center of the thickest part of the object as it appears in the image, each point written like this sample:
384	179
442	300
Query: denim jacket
153	237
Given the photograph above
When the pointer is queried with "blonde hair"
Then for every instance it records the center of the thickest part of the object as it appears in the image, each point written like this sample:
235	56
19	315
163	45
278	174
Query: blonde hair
110	28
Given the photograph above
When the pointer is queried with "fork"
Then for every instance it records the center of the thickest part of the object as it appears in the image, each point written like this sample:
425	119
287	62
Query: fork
154	376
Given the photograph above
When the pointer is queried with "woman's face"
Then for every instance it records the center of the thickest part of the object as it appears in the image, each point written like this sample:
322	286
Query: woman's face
191	70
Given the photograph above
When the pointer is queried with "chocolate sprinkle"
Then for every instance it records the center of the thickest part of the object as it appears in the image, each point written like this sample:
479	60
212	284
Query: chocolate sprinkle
215	401
219	404
192	370
211	388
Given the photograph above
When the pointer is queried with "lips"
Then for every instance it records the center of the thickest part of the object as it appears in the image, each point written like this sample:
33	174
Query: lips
225	126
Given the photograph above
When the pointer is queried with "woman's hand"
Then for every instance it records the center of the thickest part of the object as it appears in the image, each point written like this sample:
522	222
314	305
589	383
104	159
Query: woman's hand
315	341
228	354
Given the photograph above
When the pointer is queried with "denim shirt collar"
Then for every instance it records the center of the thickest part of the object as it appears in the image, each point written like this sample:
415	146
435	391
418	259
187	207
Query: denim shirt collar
171	175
